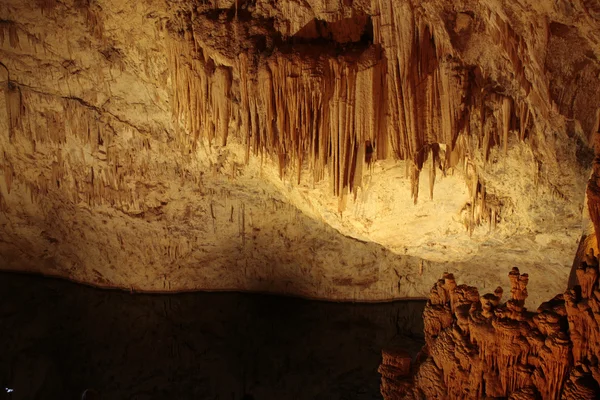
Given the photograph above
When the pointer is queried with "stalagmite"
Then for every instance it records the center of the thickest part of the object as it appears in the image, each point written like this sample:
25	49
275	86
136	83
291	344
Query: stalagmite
484	348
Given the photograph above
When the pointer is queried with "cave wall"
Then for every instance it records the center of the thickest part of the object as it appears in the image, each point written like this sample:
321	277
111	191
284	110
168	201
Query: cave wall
331	149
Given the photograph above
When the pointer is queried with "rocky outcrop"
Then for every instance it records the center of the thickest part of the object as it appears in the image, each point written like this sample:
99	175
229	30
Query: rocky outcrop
395	372
479	347
281	146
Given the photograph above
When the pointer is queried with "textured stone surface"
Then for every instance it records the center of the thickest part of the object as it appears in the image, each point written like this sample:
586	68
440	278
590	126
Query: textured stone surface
477	347
395	372
281	145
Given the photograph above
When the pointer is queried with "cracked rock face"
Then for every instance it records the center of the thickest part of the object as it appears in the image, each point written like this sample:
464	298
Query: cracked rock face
329	149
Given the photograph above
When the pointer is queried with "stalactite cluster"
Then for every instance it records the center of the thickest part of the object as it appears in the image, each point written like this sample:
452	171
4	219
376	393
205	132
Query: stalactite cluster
9	29
201	94
479	347
100	170
425	92
316	109
97	173
334	108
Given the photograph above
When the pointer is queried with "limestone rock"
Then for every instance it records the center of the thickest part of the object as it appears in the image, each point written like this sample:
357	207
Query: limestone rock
348	150
395	372
487	349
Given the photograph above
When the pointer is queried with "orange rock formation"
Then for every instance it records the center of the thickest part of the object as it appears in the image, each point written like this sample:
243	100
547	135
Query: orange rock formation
478	347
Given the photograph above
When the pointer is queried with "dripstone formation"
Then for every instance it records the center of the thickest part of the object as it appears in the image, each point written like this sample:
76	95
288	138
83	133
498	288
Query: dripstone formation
480	347
335	149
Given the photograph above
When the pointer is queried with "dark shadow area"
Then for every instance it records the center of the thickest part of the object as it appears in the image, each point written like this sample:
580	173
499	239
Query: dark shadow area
245	31
346	30
59	339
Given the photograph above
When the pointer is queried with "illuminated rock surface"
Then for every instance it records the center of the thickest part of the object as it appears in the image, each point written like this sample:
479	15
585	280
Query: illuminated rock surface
479	347
281	146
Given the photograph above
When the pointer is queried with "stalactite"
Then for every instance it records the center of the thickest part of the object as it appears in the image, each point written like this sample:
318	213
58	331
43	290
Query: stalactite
12	29
524	118
484	207
402	95
49	122
201	93
414	182
515	47
324	118
506	118
14	108
425	89
433	157
8	173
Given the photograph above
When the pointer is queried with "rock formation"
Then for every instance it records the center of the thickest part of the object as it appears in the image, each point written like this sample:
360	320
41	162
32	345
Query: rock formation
340	149
395	373
478	347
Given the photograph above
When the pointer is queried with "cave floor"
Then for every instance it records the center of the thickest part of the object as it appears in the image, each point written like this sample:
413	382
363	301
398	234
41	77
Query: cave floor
58	339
